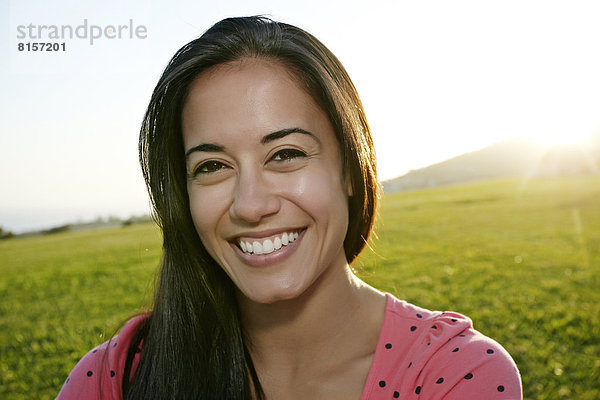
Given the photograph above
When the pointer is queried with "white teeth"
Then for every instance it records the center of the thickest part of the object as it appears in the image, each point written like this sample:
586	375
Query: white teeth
291	237
267	247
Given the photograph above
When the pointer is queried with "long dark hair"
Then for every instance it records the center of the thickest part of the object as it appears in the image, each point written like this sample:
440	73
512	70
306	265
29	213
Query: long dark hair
193	343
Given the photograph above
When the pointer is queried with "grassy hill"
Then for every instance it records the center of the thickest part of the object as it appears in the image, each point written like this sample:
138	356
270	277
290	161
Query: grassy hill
516	158
520	258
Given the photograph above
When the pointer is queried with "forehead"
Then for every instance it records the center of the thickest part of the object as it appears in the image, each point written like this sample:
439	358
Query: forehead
246	97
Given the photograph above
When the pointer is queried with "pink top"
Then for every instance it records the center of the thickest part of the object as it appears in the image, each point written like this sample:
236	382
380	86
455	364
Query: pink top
421	354
424	354
99	374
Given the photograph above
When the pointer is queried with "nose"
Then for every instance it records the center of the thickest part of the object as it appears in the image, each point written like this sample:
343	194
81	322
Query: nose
254	198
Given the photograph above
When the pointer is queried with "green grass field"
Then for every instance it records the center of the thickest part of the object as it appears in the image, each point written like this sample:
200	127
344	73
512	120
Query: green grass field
521	259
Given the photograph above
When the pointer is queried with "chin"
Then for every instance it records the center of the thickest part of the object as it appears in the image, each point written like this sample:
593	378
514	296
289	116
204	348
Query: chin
273	295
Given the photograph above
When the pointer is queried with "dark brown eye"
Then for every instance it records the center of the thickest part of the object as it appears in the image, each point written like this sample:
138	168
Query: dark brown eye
209	167
288	154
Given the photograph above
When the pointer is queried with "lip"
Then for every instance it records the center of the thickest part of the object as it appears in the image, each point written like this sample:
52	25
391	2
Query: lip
264	260
264	234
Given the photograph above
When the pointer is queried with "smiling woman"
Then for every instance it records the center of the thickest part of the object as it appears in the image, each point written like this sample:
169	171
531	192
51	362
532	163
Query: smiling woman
260	165
265	164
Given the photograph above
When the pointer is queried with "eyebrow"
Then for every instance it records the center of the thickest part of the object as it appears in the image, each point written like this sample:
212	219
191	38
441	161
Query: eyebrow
215	148
283	133
207	147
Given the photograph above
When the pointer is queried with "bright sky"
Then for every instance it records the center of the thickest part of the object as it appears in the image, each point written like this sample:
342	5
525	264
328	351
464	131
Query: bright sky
437	78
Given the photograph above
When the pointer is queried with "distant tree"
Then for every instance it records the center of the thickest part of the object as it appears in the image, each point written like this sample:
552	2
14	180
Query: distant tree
136	219
5	234
58	229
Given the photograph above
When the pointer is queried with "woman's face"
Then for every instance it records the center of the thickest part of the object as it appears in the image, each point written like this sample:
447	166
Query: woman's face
265	183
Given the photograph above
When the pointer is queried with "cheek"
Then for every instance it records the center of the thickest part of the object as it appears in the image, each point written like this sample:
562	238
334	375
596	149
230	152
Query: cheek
320	192
207	205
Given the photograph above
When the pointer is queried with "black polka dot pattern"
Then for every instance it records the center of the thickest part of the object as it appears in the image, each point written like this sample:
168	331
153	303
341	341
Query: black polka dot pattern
101	364
430	335
424	377
440	380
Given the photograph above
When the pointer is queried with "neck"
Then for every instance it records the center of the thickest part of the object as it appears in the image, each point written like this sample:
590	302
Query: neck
336	312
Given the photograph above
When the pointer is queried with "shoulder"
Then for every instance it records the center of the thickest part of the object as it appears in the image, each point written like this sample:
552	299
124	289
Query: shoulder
99	374
438	355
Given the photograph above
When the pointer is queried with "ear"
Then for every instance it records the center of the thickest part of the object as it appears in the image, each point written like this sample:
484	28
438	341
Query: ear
348	181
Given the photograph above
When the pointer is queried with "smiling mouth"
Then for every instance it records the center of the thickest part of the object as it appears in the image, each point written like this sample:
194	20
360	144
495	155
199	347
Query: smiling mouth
267	246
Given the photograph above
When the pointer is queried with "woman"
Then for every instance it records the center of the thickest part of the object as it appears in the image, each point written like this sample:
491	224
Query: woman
261	169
